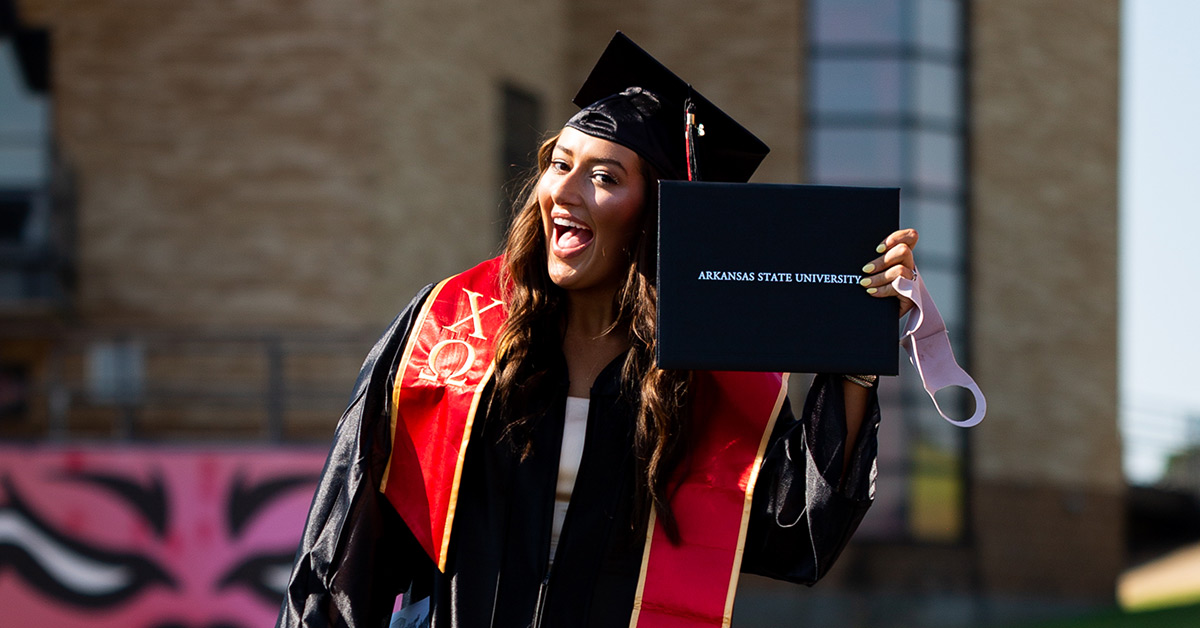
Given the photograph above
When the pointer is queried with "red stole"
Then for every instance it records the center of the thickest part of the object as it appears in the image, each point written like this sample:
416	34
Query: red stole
446	364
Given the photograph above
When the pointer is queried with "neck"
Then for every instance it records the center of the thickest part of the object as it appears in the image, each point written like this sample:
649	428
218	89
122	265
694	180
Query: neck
590	312
589	341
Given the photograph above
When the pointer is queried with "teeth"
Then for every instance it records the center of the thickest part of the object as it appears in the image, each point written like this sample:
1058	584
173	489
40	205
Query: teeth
564	222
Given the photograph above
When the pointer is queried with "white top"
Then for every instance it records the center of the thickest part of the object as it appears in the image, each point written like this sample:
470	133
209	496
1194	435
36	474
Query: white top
574	431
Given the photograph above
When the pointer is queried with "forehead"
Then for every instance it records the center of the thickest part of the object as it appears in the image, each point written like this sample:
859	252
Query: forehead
584	147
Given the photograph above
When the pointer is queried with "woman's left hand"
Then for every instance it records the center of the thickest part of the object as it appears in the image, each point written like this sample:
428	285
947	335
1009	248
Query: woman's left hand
896	261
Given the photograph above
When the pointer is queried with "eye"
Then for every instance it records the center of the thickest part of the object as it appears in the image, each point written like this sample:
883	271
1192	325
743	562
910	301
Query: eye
560	166
67	569
604	178
266	575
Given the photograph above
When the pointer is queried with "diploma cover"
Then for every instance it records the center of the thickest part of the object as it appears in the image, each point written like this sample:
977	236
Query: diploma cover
446	365
764	277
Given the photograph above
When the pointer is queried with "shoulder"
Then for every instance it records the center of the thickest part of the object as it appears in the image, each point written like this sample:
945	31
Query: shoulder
488	269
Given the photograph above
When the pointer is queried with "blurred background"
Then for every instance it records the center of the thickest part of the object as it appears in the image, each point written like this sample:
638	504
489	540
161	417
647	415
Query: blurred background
208	210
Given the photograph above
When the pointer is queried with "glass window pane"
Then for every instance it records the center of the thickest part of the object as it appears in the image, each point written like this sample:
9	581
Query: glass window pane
945	286
870	22
855	156
116	371
938	160
937	95
856	87
937	25
23	126
25	112
22	165
940	225
887	519
521	129
925	424
935	493
901	125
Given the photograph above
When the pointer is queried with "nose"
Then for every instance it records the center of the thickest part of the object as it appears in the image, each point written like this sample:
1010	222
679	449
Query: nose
564	188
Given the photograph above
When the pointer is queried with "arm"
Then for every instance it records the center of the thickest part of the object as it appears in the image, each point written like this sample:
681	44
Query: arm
896	260
356	555
818	476
857	401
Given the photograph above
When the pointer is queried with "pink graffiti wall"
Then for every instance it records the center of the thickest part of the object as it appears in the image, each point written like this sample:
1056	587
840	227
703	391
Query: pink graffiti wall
149	537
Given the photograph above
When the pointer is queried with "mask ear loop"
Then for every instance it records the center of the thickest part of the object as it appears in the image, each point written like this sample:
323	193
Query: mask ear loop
928	345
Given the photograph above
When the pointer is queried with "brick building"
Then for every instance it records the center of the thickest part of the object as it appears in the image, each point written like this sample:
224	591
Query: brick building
234	197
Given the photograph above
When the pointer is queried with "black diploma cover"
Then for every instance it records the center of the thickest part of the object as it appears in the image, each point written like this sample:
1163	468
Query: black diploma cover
764	277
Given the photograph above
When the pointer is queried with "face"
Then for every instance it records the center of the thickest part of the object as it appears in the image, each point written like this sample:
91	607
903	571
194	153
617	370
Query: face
591	200
144	537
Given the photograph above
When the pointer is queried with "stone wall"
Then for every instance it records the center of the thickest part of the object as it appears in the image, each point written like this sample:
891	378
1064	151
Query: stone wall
226	155
279	168
1047	462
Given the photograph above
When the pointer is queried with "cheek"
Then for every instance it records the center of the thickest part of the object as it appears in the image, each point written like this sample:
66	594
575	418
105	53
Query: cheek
627	220
544	207
542	191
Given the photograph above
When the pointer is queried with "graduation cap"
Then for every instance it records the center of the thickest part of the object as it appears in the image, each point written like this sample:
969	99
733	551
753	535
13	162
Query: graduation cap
632	99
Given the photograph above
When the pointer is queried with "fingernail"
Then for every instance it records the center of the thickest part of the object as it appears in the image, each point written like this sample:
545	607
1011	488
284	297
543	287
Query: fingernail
872	290
869	268
864	282
881	248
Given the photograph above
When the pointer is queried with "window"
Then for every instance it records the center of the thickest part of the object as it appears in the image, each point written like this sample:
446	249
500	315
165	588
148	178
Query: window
522	129
886	108
32	269
115	372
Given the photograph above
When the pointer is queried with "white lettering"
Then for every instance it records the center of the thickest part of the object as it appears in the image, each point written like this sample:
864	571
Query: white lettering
473	301
430	370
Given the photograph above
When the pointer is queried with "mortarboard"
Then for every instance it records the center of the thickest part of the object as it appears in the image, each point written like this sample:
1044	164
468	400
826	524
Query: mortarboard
632	99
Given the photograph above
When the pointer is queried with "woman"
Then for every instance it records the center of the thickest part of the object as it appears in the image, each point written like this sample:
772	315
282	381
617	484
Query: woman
582	485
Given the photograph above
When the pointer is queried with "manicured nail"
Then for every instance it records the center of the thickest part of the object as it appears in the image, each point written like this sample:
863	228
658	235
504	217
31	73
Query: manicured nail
864	282
881	248
869	268
872	290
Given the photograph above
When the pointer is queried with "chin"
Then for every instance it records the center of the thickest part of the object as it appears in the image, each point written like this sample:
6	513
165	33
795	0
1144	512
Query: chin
562	275
570	277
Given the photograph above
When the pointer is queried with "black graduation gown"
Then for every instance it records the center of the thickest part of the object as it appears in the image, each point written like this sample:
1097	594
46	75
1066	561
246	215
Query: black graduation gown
356	555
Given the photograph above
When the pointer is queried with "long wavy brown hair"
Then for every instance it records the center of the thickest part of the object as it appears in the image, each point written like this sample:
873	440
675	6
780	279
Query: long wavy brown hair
530	345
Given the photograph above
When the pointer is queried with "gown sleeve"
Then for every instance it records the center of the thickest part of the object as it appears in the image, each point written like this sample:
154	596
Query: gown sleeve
805	508
355	555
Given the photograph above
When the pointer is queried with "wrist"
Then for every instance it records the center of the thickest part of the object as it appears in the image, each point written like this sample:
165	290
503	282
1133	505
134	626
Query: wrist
866	381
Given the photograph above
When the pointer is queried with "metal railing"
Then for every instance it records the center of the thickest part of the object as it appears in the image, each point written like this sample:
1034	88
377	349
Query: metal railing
175	385
1161	443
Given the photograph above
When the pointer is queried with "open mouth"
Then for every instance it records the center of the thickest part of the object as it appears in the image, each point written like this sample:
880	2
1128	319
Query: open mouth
570	237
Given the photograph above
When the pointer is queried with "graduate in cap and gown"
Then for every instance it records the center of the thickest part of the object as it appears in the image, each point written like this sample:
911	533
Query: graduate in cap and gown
512	456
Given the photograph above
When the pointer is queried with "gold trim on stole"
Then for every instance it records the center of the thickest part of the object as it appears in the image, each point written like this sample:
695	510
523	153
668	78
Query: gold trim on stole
758	460
470	420
641	585
394	411
741	542
458	464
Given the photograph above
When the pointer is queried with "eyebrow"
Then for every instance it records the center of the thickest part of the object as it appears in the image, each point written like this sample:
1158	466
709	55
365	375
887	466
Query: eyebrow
150	501
247	499
599	160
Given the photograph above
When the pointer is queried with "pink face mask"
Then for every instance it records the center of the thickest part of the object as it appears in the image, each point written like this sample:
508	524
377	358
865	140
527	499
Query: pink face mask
928	345
135	537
